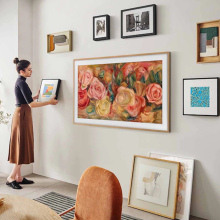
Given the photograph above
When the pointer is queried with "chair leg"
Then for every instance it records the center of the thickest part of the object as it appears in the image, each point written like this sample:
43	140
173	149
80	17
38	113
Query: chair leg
63	213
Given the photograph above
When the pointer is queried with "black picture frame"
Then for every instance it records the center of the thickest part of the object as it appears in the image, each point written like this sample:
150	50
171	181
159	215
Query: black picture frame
217	96
154	28
107	36
49	80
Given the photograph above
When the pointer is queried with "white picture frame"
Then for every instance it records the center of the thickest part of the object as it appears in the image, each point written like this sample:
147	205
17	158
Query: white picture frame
185	183
89	63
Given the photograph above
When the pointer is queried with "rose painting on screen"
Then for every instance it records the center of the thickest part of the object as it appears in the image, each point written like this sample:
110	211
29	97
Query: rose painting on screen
129	91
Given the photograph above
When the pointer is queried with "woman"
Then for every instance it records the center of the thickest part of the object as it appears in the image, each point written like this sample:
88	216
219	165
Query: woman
21	146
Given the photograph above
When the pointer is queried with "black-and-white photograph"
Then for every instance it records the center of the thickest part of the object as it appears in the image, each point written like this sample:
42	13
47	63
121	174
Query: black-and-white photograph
101	27
138	22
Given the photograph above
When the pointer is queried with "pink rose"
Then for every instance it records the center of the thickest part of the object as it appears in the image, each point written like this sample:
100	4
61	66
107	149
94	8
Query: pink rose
83	100
86	78
135	109
154	93
96	90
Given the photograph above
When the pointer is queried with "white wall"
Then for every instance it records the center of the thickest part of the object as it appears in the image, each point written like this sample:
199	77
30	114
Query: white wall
16	40
8	51
64	150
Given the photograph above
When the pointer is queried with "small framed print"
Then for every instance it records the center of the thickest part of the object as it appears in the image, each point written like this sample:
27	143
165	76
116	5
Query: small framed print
59	42
208	41
101	27
138	22
201	96
154	185
49	88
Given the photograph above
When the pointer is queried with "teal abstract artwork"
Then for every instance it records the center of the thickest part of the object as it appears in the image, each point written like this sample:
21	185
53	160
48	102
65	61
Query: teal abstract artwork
200	96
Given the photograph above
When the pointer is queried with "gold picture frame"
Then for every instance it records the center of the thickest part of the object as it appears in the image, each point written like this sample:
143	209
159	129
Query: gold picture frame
154	186
204	25
162	125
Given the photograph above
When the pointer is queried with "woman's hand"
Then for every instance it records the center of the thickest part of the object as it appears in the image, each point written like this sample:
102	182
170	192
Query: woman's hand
53	101
36	96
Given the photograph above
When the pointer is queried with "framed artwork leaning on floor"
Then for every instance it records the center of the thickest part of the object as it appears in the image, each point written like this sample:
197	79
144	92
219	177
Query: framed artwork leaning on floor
123	91
185	183
154	185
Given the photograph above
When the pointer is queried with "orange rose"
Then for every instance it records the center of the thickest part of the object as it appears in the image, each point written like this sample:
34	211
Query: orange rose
142	70
83	100
127	69
154	93
135	109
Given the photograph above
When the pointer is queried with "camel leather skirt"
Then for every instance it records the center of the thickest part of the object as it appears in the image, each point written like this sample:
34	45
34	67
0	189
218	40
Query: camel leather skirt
21	146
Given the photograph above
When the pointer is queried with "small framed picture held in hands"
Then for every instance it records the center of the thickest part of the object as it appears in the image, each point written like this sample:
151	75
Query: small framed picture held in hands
49	88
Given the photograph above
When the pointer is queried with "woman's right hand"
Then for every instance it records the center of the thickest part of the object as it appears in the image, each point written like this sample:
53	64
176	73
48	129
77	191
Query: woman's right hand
53	101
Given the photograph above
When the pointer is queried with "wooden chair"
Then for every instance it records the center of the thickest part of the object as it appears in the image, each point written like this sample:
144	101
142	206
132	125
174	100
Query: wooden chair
99	196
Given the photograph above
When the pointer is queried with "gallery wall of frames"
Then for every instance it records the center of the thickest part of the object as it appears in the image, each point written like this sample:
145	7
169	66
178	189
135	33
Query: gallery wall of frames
133	91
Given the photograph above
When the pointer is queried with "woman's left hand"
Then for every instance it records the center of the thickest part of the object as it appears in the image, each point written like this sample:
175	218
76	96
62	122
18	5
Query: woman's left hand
36	96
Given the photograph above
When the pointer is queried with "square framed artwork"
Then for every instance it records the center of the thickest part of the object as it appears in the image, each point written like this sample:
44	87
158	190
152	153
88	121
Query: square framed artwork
185	184
48	89
123	91
101	27
208	41
154	185
139	21
59	42
201	96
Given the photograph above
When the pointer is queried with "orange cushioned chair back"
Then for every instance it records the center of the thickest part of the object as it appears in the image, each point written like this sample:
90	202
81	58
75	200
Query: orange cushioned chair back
99	196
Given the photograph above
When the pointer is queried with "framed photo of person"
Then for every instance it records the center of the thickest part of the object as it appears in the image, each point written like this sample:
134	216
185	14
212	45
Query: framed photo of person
154	186
49	88
101	27
138	22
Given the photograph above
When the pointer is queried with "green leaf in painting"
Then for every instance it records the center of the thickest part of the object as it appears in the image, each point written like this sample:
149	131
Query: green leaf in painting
157	108
142	79
158	77
119	78
101	74
148	81
151	77
132	80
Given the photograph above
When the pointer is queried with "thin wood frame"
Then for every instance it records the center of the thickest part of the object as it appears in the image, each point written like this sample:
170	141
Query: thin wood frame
207	24
176	188
70	42
168	90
